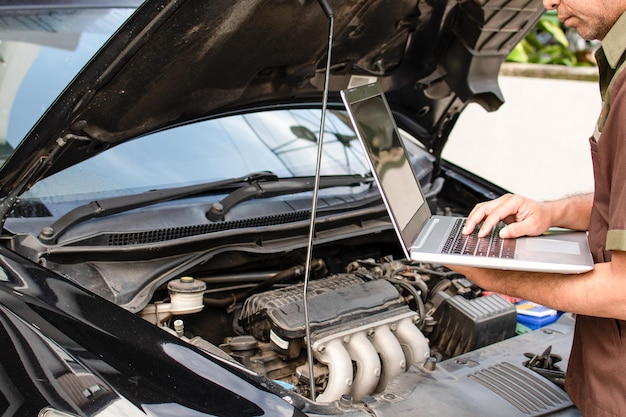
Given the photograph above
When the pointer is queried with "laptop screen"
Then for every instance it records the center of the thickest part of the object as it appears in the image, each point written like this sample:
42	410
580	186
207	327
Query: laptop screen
388	160
387	154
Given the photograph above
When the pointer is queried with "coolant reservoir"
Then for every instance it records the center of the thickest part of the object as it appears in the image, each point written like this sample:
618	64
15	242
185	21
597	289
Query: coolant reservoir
186	295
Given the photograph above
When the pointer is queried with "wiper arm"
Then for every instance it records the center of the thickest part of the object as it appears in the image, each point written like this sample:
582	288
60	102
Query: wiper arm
285	186
254	185
109	206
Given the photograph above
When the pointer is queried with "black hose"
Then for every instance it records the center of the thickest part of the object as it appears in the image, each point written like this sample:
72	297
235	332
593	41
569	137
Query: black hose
292	272
407	285
419	283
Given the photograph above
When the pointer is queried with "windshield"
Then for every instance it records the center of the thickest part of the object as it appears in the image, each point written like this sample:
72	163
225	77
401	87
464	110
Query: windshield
41	50
281	141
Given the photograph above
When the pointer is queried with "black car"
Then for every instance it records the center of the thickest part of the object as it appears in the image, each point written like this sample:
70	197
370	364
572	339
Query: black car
168	250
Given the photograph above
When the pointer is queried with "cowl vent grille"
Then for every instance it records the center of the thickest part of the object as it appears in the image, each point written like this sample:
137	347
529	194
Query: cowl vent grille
530	393
163	235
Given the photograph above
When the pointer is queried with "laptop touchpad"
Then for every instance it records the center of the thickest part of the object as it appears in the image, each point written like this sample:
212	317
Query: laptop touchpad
553	246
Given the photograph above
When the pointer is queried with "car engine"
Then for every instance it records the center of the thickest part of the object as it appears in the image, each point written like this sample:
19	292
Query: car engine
367	325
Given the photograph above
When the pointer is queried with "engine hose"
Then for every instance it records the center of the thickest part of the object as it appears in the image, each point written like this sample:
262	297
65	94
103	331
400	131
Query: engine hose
416	295
442	285
292	272
433	272
419	283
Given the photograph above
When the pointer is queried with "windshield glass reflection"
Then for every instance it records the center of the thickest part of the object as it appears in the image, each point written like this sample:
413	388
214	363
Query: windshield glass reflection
281	141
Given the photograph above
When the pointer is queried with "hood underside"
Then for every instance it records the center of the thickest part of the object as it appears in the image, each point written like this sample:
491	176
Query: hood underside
178	61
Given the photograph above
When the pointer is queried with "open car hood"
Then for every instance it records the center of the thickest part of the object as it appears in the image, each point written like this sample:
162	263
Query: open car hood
178	61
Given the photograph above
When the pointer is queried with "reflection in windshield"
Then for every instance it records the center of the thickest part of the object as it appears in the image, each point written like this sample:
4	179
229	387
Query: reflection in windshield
211	150
40	52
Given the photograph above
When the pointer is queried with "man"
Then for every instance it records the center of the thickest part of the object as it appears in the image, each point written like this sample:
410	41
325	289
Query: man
596	375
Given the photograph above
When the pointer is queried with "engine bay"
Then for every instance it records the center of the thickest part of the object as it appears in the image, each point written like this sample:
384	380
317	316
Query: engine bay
368	324
379	326
382	330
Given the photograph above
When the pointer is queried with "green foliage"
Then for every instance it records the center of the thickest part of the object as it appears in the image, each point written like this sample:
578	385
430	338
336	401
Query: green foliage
548	43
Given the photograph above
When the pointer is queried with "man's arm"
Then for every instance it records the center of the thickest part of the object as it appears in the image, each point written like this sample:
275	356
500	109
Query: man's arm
600	292
527	217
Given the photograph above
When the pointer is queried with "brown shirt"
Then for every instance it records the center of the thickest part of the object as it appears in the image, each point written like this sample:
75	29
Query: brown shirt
596	375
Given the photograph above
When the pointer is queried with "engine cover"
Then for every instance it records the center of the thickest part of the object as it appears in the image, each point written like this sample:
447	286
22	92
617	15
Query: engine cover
332	301
361	331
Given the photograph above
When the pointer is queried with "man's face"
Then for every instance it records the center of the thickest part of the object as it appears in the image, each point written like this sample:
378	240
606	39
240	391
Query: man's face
592	19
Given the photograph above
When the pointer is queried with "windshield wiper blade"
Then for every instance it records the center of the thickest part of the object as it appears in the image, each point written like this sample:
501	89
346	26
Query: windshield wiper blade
254	185
284	186
114	205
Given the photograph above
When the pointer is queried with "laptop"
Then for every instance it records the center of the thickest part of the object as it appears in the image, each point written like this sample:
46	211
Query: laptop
438	239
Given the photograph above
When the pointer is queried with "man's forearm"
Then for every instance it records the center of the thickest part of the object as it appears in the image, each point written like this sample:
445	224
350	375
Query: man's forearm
571	212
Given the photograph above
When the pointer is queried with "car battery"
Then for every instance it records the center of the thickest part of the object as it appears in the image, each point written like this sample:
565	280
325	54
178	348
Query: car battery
468	324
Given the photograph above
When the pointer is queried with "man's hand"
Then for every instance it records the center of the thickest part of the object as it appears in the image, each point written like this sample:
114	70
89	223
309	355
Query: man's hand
523	216
586	293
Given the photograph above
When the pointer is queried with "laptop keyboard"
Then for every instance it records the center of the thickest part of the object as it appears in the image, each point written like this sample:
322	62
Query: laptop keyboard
491	245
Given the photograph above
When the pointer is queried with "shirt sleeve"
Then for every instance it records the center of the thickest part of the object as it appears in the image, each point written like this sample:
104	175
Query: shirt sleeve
615	126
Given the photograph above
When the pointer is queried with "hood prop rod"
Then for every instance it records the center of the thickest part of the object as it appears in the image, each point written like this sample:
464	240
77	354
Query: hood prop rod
307	325
13	197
